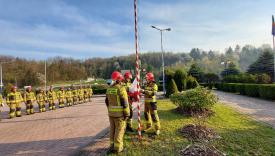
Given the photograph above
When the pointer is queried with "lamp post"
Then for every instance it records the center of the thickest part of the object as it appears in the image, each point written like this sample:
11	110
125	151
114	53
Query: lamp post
162	55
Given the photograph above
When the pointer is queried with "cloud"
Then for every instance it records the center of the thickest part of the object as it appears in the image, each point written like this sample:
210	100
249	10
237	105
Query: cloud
78	35
92	28
208	24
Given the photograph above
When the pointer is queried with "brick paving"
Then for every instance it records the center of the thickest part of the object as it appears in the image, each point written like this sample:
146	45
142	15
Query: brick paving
260	110
53	133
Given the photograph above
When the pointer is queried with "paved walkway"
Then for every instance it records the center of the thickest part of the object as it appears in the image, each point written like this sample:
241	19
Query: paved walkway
260	110
54	133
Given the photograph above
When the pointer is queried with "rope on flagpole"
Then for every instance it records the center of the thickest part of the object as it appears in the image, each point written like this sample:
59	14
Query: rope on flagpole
137	69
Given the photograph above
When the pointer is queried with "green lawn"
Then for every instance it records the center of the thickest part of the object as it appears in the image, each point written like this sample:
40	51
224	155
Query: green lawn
240	135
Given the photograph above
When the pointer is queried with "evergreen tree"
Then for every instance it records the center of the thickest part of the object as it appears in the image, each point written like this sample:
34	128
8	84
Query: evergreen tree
171	88
231	70
196	72
264	64
180	79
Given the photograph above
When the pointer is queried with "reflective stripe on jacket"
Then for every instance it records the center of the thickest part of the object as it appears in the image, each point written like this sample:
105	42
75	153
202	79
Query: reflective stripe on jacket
14	97
150	92
117	101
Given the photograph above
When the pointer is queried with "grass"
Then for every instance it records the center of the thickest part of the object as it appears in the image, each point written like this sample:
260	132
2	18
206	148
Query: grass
240	134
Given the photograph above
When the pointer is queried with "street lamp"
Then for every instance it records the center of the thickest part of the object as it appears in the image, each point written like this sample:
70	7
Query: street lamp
162	56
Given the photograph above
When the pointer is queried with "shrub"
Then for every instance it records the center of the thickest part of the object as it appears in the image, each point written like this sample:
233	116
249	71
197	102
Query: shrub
240	88
263	79
267	92
218	86
180	79
99	89
191	82
252	90
194	100
264	91
171	88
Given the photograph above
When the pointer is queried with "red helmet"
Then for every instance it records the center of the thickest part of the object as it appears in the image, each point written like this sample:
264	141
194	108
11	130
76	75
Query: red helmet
117	76
128	75
150	77
121	78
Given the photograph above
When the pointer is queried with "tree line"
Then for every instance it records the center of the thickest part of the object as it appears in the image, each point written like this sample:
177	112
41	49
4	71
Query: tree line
23	71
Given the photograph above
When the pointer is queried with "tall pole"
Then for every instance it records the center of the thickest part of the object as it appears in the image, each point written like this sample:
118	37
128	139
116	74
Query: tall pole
162	57
162	54
273	59
137	68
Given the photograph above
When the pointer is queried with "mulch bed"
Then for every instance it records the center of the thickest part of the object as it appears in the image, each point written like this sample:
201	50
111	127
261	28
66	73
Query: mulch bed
198	133
200	150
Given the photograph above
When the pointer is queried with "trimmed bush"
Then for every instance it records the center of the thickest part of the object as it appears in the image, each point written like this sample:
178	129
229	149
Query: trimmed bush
264	91
99	89
264	79
191	82
194	100
240	88
252	90
171	88
180	79
267	92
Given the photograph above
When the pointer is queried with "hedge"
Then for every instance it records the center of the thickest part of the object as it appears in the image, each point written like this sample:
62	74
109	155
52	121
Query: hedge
264	91
99	89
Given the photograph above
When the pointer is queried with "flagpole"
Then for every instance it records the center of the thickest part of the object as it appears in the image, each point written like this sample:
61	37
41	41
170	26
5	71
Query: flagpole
137	68
273	58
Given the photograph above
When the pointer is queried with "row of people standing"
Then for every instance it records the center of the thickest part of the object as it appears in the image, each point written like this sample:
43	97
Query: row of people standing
70	96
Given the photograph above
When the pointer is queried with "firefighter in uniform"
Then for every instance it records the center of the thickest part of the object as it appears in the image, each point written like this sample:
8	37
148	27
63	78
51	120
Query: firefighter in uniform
75	95
40	98
14	100
127	83
90	91
150	110
118	110
51	94
81	94
61	95
85	91
69	97
29	99
1	104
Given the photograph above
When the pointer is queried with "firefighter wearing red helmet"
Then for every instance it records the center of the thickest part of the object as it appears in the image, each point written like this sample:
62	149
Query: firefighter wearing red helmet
127	83
14	100
150	110
118	110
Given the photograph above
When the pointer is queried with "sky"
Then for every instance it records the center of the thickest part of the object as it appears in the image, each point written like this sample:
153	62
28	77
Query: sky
104	28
